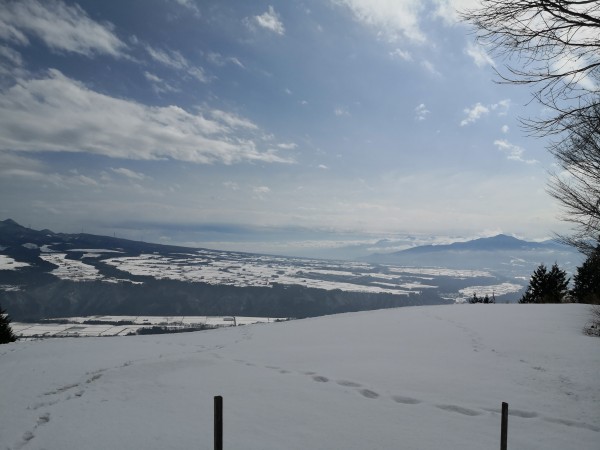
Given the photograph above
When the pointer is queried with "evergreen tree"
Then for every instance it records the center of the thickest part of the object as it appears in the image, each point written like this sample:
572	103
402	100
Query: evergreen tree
6	333
474	299
546	286
586	282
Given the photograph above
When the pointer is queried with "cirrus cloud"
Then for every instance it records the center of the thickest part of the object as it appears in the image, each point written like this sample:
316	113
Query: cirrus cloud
60	26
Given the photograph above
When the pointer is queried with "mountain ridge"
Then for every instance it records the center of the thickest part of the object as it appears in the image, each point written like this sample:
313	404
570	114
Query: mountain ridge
493	243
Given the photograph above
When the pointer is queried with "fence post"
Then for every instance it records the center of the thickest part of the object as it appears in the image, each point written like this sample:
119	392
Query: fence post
218	422
504	427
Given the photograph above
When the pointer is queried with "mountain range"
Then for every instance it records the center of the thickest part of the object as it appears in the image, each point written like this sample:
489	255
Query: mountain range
500	242
506	255
47	274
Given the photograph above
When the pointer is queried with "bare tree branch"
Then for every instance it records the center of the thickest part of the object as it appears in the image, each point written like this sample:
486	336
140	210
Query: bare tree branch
554	46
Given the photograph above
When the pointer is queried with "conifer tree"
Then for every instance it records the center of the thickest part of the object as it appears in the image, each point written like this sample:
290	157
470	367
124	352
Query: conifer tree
6	333
546	286
586	282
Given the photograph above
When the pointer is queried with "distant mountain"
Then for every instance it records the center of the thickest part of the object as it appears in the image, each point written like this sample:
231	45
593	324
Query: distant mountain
501	254
14	234
500	242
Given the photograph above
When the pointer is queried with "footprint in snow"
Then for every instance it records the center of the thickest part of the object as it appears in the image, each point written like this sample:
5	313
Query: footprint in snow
347	383
93	378
44	418
571	423
515	413
320	379
405	400
459	409
367	393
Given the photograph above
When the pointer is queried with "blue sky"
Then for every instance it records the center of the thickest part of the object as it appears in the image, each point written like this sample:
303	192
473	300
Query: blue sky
278	126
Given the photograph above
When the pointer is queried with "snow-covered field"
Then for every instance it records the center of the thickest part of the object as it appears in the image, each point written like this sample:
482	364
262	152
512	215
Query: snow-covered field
8	263
427	377
244	270
110	325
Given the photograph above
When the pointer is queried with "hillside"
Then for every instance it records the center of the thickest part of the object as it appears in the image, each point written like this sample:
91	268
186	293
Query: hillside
412	378
46	274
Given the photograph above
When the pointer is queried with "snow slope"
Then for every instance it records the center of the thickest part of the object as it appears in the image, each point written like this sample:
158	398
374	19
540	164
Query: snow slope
427	377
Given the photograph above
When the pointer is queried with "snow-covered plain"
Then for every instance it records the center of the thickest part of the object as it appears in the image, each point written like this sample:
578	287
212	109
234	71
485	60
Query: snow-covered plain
8	263
427	377
109	325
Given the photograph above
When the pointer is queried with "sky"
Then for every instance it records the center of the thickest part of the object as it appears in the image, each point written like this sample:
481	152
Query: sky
285	126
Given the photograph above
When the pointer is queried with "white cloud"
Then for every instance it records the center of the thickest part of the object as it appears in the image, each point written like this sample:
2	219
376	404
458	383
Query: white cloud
189	4
82	180
57	113
501	107
158	84
231	185
479	55
232	120
175	60
401	54
60	26
10	55
392	19
10	161
287	145
59	180
322	166
474	113
339	111
129	173
477	111
512	151
430	67
505	129
219	60
448	10
260	192
421	112
270	21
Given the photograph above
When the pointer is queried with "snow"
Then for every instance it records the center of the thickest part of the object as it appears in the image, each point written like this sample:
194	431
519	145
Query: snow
8	263
412	378
69	269
93	250
494	289
442	271
76	326
245	270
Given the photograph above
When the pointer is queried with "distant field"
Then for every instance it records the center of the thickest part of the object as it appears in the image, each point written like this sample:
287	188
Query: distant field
92	326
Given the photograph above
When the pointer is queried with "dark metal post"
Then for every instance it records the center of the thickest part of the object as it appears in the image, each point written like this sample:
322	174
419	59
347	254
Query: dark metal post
504	428
218	422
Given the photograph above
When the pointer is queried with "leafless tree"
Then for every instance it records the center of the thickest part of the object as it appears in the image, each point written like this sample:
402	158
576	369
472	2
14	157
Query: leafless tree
577	188
554	47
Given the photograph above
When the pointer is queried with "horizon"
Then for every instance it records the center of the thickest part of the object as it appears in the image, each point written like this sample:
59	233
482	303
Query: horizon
281	127
380	246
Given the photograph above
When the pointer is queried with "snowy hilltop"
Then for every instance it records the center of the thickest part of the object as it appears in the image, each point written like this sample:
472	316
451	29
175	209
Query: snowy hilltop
426	377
